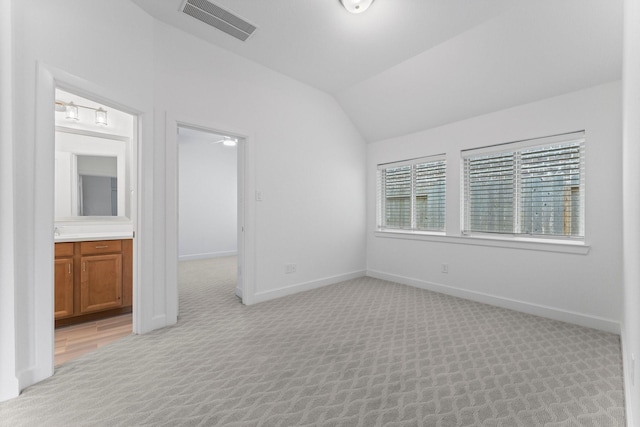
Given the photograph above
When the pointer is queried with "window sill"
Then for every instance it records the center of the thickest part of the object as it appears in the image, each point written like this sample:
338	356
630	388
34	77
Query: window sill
524	243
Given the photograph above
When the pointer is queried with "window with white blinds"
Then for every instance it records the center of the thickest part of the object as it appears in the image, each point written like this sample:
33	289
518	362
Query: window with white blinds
411	194
534	187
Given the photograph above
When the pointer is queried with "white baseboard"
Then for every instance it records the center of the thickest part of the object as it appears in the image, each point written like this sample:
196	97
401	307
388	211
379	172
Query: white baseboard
594	322
239	292
627	373
9	389
306	286
33	375
157	322
194	257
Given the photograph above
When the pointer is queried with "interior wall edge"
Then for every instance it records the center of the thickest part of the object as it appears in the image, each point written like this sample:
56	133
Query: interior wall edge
41	352
599	323
9	383
630	336
628	394
306	286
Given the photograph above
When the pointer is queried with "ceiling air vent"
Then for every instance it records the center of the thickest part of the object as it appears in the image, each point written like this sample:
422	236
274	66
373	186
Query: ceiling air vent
219	18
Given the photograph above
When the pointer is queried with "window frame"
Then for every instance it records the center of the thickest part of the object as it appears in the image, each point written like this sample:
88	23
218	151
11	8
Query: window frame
413	228
517	148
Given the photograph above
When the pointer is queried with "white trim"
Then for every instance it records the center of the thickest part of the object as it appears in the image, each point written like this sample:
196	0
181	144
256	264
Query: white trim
246	207
630	207
506	147
206	255
159	321
627	371
247	216
602	324
410	162
40	334
544	245
86	132
43	221
306	286
169	196
9	383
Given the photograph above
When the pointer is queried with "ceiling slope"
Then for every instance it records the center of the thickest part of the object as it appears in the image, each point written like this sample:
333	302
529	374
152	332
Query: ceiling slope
408	65
524	55
320	43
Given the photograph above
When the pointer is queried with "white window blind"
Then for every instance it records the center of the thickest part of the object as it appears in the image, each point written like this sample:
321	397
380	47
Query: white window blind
411	194
534	187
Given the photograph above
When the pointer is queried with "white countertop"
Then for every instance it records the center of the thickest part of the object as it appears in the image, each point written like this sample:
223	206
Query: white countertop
84	237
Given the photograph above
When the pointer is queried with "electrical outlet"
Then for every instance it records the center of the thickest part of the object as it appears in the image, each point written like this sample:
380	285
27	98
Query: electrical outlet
258	196
290	268
445	268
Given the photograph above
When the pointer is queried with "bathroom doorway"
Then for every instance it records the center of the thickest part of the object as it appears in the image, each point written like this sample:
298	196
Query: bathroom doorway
208	213
94	224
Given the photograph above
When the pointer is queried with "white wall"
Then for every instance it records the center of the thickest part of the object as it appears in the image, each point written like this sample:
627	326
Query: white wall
584	289
117	71
295	134
9	384
208	202
631	209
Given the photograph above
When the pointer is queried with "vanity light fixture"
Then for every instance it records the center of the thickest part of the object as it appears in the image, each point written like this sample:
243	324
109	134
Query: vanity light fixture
72	112
356	6
101	117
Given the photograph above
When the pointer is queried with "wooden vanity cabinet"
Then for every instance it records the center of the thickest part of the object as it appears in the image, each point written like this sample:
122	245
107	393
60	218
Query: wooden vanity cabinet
63	280
101	283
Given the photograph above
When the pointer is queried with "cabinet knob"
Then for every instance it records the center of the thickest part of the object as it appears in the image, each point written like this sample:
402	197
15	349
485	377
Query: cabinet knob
102	247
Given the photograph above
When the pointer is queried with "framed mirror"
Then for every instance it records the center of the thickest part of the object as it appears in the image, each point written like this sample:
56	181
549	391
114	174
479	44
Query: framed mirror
97	185
90	175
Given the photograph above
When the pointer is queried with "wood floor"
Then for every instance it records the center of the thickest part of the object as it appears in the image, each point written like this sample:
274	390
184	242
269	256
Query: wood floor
74	341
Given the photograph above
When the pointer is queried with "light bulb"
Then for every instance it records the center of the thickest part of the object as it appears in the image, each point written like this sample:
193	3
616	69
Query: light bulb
230	142
356	6
101	117
72	111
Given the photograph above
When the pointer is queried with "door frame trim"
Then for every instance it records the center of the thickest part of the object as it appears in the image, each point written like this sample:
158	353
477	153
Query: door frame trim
245	206
49	78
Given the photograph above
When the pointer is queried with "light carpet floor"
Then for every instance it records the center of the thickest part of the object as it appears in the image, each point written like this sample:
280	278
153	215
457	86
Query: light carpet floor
361	353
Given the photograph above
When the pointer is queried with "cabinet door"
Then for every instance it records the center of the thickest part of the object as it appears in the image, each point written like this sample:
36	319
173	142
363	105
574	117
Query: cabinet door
63	305
100	282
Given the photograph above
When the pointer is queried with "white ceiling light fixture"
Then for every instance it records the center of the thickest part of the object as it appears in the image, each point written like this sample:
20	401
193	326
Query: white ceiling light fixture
228	141
356	6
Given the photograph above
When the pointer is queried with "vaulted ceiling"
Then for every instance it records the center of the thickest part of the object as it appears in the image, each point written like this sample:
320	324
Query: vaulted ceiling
407	65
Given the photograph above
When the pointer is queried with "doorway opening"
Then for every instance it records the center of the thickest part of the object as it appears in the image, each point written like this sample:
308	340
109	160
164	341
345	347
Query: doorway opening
209	247
94	216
